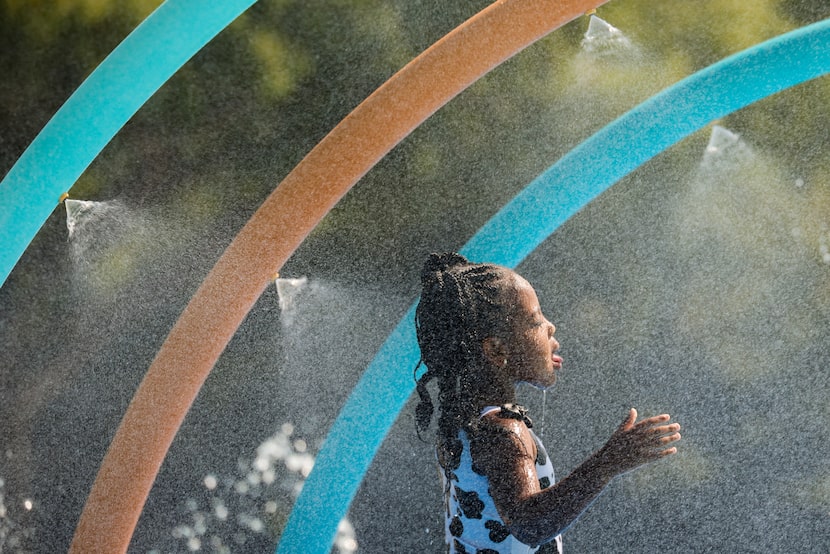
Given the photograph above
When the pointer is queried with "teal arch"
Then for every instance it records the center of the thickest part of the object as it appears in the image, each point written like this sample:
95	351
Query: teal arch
104	102
527	220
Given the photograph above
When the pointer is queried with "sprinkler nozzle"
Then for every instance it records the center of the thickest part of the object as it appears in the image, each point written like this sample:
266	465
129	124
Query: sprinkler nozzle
63	197
276	275
592	11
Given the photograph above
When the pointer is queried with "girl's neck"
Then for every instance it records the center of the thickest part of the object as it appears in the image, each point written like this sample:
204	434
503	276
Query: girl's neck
493	392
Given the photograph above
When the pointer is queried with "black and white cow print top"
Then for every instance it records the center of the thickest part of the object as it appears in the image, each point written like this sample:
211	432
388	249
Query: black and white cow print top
472	524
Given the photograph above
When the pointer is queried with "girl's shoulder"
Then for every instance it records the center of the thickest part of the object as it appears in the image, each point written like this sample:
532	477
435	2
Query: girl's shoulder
509	421
507	415
515	412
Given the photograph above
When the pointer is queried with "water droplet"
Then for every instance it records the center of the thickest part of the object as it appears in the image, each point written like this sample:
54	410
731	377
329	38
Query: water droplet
256	525
241	487
300	463
183	532
200	526
211	482
221	511
344	526
347	544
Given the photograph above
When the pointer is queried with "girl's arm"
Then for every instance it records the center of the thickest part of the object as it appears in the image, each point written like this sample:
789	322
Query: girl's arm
506	453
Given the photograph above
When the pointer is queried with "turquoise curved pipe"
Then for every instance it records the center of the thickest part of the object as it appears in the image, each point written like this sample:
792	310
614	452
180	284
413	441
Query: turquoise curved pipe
103	103
515	231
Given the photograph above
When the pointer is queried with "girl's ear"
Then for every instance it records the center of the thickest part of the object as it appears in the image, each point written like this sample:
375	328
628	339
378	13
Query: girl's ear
494	351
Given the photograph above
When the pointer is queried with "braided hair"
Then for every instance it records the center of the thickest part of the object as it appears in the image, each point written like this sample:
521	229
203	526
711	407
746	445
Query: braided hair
461	304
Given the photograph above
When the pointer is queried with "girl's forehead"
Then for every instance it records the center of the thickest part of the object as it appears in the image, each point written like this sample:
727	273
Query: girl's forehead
512	279
525	295
523	286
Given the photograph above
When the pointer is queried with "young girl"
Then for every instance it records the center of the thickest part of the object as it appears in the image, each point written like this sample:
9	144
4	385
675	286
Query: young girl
481	332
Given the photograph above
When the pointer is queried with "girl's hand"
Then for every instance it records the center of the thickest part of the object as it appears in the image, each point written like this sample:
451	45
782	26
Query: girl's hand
637	443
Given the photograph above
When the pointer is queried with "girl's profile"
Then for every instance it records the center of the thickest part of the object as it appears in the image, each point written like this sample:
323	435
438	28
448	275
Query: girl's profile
481	332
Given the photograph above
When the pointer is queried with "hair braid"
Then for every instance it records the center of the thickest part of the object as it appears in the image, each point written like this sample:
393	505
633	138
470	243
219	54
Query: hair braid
425	408
461	304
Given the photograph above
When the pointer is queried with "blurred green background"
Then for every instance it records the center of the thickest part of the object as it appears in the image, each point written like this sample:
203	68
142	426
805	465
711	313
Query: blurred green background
693	286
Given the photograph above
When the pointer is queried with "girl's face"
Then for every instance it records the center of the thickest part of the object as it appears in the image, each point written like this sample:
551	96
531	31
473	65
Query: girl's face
531	348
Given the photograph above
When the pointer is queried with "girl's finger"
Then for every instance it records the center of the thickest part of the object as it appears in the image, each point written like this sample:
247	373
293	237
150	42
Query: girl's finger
671	438
664	429
650	422
667	452
628	422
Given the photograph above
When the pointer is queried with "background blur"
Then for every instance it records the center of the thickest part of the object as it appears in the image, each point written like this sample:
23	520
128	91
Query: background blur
699	285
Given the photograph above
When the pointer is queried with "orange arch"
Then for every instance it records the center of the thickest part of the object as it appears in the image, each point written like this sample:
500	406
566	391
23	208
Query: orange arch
274	232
